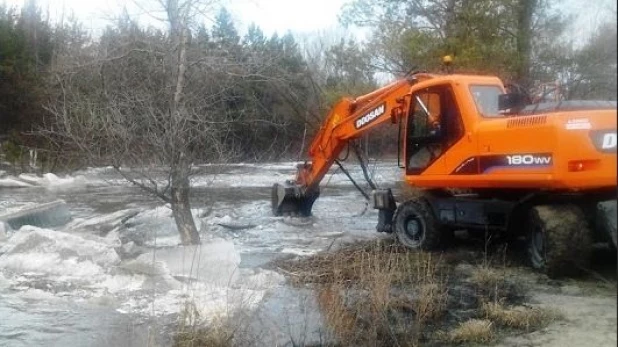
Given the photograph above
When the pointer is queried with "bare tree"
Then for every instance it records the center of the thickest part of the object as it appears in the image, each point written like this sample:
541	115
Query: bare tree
147	103
150	102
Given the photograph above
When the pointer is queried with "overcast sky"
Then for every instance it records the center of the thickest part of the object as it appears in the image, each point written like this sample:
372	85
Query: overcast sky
298	16
270	15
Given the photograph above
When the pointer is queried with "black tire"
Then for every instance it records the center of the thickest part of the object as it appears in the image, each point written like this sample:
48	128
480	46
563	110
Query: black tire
605	214
559	240
416	226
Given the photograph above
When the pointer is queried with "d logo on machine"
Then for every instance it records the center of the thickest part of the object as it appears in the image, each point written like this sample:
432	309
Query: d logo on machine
609	141
604	140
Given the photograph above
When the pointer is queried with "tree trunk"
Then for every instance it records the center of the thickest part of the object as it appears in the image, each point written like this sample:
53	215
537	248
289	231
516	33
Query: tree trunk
450	20
181	207
181	168
525	12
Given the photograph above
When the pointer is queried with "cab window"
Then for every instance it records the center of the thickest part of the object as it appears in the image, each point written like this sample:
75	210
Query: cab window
426	114
486	100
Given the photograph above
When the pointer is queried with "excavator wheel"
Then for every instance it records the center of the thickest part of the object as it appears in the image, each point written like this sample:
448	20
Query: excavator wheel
415	225
559	240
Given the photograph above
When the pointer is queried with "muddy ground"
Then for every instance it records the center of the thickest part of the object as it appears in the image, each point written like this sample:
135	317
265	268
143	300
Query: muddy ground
588	306
581	310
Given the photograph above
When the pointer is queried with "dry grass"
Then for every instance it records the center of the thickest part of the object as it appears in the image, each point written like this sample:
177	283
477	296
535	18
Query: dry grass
191	333
231	328
381	294
375	293
496	284
431	301
486	276
361	261
339	319
472	331
523	318
204	337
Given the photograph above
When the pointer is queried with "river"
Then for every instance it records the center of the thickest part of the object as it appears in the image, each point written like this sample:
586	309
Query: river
116	274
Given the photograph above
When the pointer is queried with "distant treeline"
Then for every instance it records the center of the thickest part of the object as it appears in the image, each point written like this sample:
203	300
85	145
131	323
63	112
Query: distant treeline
257	97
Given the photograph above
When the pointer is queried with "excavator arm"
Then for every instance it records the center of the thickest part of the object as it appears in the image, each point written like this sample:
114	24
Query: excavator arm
347	120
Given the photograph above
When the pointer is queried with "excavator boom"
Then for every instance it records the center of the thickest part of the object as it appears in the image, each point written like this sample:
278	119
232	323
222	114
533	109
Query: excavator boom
347	120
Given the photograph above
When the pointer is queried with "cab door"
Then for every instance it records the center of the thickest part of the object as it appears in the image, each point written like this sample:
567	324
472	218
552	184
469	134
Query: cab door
433	125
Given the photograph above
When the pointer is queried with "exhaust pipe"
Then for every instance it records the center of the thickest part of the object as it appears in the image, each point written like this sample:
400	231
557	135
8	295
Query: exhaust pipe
292	199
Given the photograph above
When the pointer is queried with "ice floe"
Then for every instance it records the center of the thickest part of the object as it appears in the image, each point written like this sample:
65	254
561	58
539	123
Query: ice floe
65	256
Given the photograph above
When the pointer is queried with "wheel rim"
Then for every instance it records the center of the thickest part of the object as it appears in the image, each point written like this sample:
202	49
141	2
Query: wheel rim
537	246
415	230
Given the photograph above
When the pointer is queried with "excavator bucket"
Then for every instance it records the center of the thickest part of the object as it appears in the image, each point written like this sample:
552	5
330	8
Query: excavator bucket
291	199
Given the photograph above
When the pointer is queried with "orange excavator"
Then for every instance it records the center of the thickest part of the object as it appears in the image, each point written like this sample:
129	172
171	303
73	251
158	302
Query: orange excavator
546	171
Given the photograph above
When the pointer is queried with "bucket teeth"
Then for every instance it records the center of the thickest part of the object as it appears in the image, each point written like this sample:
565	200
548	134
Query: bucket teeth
291	200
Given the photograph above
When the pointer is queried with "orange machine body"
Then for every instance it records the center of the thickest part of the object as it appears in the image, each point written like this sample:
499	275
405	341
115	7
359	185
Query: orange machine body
553	150
573	161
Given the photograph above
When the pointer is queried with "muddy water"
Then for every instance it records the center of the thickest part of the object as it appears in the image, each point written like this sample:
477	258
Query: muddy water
113	306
